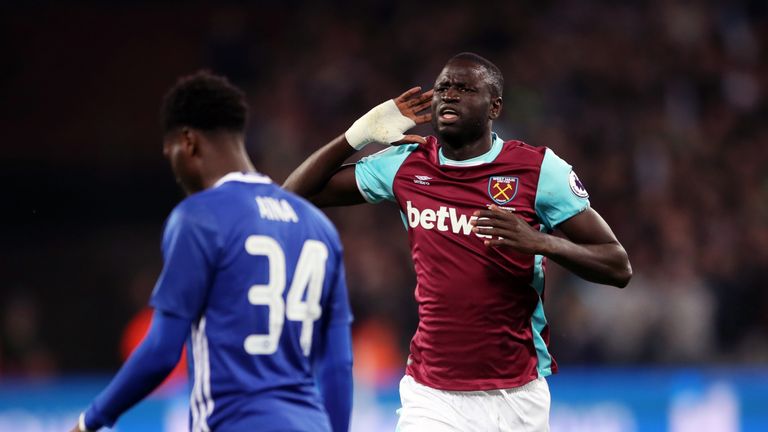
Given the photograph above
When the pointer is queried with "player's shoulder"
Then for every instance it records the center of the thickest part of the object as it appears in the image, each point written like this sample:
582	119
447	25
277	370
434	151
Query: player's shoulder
430	148
311	212
406	153
203	202
300	203
220	201
524	148
272	196
193	210
523	153
190	217
232	193
396	152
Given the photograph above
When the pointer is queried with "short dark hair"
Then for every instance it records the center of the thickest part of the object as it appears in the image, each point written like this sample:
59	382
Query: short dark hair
495	77
204	101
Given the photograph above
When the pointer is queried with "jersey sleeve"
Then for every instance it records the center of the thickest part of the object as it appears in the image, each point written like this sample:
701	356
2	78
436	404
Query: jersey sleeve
337	307
190	245
375	174
144	370
560	194
333	361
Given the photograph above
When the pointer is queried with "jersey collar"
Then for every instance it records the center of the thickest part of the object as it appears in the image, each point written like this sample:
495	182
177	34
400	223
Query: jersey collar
247	177
489	156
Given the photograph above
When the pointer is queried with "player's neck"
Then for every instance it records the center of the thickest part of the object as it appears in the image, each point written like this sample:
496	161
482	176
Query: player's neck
458	148
232	159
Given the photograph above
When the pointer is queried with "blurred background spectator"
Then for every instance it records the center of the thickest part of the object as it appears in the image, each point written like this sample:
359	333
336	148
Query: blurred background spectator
661	106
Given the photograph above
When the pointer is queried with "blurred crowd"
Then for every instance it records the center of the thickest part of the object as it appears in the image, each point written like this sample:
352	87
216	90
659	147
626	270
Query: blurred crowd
660	106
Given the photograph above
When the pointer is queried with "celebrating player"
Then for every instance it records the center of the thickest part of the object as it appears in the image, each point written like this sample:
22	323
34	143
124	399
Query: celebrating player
479	214
254	273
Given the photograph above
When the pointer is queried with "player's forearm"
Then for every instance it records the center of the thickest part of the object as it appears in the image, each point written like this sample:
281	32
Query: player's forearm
337	394
335	376
138	377
312	175
144	370
605	263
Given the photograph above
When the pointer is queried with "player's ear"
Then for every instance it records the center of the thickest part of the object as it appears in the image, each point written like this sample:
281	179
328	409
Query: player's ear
190	141
495	111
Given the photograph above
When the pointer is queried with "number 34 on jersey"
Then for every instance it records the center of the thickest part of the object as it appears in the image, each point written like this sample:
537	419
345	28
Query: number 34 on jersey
307	279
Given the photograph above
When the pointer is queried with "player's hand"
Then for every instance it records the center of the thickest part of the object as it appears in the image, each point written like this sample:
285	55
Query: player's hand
507	230
410	104
80	425
387	122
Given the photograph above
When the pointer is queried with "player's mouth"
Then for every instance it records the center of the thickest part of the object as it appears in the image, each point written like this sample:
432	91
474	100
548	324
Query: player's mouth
447	115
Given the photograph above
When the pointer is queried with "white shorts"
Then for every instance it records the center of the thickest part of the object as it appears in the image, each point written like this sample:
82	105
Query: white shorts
519	409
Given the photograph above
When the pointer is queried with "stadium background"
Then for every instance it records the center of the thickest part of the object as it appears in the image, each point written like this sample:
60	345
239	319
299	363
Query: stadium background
661	106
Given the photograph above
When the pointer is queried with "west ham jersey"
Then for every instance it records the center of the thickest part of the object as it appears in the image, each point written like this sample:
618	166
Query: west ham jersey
481	315
259	272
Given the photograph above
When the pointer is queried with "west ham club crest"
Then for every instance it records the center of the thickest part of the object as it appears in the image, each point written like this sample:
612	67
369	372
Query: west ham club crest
502	189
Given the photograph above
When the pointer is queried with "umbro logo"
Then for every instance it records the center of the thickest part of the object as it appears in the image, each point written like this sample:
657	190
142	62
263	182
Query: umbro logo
422	180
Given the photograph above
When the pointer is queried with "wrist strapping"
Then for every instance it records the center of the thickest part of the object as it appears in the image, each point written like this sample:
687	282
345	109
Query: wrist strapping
383	124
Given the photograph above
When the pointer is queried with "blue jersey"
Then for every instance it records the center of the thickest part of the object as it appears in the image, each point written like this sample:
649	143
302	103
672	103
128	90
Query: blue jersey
259	273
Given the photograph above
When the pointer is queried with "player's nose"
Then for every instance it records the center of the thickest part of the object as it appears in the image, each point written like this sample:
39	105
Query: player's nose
450	95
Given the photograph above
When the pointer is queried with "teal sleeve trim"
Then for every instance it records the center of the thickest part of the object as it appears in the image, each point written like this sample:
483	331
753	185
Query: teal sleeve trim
375	174
559	195
539	321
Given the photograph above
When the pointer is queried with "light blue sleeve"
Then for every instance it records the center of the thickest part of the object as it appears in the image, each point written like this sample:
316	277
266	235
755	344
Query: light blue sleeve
375	174
560	194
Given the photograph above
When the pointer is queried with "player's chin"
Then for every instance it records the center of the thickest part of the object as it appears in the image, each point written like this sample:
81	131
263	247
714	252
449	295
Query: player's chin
449	129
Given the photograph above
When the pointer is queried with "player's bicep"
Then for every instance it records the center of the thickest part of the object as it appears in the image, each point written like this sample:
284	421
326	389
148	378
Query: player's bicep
587	227
560	195
337	305
169	332
340	190
189	250
375	174
336	311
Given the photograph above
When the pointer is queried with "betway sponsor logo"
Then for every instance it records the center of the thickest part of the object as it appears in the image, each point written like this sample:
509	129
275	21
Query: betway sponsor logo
442	219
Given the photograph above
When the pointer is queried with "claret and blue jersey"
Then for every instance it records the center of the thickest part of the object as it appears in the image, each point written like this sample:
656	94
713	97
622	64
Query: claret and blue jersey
259	273
481	318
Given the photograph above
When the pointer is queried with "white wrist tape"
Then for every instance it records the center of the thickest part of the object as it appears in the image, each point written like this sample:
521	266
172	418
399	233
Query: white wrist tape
383	124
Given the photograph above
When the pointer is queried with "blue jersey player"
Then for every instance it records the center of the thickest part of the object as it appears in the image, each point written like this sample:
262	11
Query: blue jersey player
253	281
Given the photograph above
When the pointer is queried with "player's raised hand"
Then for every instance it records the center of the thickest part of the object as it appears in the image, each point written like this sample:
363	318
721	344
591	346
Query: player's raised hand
507	230
387	122
411	104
